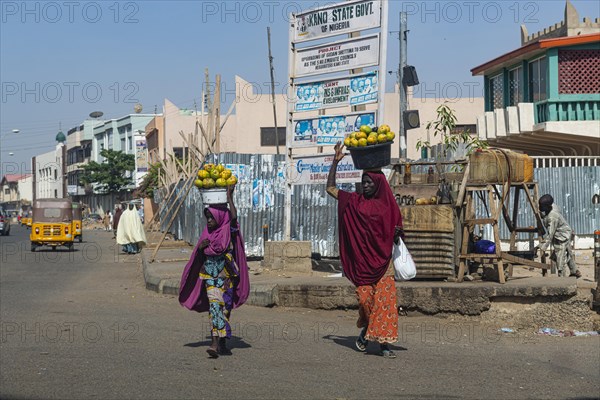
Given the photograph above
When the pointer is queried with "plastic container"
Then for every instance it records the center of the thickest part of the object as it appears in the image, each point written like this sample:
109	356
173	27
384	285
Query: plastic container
484	247
374	156
214	196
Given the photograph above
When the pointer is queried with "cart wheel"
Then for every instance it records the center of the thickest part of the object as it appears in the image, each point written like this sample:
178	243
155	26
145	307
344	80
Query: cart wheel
53	248
33	246
80	239
71	247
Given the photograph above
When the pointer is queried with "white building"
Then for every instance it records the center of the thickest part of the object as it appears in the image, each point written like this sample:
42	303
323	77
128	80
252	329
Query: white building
49	174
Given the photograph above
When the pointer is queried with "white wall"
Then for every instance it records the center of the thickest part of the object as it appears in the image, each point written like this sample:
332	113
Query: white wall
26	188
49	165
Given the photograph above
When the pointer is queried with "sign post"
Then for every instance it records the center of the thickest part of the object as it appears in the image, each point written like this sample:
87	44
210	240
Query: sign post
321	77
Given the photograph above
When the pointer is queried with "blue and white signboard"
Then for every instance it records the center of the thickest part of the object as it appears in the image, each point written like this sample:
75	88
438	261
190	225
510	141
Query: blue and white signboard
314	170
349	91
328	130
364	89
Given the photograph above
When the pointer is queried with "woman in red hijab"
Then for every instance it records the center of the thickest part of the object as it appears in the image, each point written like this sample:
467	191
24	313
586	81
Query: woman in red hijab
369	224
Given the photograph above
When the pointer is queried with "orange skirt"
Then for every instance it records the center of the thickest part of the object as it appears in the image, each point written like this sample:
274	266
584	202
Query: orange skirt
378	311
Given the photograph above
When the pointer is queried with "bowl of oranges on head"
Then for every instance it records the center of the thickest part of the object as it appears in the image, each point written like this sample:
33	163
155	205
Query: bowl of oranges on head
371	147
212	181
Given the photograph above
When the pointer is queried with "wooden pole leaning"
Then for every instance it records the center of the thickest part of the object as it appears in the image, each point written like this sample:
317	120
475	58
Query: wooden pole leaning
188	186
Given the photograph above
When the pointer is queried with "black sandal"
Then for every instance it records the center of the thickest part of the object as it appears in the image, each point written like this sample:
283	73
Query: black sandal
386	352
213	353
362	343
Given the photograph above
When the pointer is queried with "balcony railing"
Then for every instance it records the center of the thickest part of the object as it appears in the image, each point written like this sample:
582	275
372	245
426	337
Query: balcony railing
558	110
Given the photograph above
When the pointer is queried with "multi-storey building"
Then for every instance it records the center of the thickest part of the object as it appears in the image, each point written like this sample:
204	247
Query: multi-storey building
543	98
126	134
79	153
14	190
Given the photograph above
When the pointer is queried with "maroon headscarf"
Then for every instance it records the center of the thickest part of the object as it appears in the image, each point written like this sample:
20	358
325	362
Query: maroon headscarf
192	293
366	231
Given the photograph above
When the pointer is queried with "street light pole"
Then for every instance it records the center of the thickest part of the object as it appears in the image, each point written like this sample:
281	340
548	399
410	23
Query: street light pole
401	86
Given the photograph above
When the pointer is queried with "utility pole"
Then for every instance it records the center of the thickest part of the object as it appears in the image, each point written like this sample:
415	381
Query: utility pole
273	89
401	86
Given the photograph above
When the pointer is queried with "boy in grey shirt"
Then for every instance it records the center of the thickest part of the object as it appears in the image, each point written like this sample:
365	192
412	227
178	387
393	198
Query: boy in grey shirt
559	235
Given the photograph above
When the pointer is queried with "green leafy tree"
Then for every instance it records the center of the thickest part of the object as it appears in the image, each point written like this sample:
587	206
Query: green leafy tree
110	176
444	126
151	182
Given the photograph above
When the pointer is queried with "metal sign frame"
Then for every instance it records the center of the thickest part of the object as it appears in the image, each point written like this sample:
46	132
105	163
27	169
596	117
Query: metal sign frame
292	54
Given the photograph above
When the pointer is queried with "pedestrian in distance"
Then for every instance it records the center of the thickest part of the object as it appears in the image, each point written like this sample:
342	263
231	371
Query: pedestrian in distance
559	234
116	218
216	279
110	220
130	232
106	221
141	213
369	223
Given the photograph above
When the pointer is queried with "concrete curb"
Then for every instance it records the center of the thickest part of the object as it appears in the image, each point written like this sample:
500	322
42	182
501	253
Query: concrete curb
261	294
430	297
155	282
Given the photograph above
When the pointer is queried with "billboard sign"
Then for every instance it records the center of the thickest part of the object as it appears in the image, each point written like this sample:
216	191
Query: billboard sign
337	19
314	170
343	55
349	91
327	130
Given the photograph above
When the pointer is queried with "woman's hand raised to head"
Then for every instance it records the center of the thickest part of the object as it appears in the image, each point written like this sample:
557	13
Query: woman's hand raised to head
232	209
339	154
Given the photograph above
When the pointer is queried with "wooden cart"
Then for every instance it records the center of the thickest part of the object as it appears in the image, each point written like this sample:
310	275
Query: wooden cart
438	235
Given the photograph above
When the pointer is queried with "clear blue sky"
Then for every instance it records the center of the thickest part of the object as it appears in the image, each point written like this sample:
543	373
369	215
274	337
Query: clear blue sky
56	56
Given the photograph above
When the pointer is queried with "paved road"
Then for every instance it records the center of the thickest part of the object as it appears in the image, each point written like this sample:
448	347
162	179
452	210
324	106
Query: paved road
81	325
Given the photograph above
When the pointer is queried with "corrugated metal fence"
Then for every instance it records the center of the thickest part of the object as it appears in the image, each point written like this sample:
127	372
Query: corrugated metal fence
572	182
260	200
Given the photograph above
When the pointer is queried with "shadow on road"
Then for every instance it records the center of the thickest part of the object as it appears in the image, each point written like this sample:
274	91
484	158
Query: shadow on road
39	250
348	341
233	343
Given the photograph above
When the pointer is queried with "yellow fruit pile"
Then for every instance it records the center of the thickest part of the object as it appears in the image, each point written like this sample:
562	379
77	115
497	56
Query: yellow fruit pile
368	137
212	175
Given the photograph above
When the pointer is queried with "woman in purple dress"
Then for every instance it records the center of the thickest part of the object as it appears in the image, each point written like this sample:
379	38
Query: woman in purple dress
216	278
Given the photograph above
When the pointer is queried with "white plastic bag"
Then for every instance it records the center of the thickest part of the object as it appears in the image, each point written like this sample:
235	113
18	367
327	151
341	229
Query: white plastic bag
404	266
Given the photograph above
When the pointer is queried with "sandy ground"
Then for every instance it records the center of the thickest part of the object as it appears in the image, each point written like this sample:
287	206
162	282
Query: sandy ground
583	258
